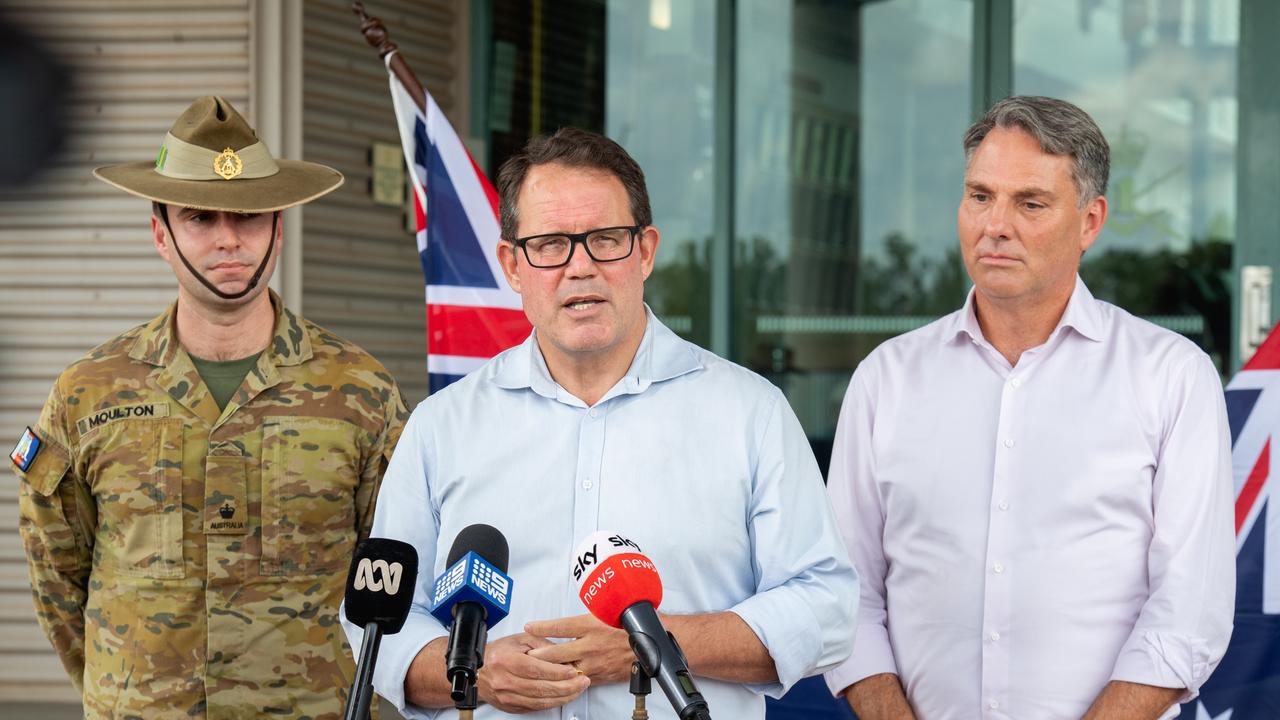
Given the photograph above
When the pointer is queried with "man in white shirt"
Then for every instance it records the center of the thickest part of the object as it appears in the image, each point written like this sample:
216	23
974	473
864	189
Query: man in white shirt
604	419
1035	489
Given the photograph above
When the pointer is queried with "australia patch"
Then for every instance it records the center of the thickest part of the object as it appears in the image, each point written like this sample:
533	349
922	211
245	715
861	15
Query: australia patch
25	453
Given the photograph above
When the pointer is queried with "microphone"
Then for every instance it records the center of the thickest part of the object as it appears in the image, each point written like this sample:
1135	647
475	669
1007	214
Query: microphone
470	597
621	587
380	587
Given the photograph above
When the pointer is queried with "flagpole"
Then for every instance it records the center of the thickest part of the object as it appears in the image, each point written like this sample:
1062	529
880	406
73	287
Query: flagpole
375	33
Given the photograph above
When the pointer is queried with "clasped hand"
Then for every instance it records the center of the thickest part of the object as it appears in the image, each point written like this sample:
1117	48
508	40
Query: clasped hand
527	671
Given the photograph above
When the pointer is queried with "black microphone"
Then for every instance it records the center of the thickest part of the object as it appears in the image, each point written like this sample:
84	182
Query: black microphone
469	597
661	658
380	587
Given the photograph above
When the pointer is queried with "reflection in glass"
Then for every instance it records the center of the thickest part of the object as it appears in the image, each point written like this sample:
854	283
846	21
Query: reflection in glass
1160	80
545	71
849	122
658	105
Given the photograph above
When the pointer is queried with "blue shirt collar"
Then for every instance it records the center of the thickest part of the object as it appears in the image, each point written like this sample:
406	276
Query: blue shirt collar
662	355
1082	315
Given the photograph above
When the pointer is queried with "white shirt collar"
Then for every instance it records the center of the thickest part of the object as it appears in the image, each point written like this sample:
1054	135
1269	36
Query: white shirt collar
1082	315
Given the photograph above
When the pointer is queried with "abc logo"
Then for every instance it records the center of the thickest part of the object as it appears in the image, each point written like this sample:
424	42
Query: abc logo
369	571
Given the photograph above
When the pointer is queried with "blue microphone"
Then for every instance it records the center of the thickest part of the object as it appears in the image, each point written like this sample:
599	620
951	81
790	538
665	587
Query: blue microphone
470	597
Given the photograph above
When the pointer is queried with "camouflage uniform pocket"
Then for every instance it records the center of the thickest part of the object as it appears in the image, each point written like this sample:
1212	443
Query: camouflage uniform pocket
310	469
136	478
45	524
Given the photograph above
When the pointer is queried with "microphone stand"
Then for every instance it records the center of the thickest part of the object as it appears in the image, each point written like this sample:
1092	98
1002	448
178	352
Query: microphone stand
467	705
362	687
641	685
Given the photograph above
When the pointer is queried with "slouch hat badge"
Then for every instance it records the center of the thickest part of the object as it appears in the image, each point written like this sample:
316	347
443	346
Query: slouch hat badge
228	165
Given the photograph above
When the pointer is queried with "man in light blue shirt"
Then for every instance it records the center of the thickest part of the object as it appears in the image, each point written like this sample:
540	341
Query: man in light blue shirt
606	420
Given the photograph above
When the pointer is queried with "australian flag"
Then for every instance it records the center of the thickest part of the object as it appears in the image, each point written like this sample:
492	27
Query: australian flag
1246	686
472	314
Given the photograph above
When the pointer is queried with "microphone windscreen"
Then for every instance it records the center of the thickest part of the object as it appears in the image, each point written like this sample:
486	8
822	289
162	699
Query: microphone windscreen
612	575
484	540
380	584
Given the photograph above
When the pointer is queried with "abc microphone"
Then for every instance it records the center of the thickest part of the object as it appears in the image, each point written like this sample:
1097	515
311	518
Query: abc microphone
469	597
621	587
380	589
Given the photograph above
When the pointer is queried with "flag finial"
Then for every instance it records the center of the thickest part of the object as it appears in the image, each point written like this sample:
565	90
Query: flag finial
374	31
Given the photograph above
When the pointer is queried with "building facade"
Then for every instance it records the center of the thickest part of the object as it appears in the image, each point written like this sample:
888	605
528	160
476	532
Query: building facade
803	157
79	264
805	161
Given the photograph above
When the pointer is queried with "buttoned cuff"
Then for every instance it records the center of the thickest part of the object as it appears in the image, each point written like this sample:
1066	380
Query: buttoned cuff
789	631
872	655
1164	660
395	655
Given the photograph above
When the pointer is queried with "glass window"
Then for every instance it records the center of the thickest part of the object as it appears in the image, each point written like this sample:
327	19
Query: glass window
659	105
1159	77
546	71
849	125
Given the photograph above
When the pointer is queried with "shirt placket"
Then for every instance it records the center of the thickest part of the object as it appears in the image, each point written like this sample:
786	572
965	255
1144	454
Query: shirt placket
586	515
996	607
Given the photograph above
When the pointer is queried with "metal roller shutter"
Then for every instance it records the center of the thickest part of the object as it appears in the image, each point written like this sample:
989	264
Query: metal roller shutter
361	274
78	262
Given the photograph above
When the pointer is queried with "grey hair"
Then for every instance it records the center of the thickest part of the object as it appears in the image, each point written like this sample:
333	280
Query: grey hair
1060	128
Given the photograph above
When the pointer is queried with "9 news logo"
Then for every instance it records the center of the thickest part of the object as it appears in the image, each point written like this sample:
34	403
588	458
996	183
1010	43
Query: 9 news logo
378	575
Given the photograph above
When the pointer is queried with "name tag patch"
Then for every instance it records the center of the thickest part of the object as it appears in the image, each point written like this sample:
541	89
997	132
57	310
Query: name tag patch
25	452
110	415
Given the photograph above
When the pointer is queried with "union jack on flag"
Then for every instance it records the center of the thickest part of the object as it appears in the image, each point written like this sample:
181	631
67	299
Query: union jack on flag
472	314
1246	685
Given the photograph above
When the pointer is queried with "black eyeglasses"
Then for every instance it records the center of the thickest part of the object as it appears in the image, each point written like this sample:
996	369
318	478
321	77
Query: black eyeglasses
602	245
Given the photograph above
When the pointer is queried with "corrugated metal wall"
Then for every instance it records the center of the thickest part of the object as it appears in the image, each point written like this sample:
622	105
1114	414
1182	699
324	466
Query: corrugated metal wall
78	264
361	274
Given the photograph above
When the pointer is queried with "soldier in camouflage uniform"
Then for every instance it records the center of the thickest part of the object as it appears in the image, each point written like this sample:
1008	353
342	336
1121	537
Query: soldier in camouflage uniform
188	552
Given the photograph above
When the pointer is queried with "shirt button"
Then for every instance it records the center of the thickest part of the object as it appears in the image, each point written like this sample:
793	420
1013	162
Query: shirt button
592	412
994	705
1015	382
1008	442
998	568
586	484
1003	505
995	636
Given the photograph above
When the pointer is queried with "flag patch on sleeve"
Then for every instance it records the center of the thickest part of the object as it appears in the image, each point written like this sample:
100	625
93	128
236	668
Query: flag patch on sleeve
25	453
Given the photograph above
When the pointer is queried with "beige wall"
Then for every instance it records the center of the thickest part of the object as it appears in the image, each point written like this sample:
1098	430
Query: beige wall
360	270
77	264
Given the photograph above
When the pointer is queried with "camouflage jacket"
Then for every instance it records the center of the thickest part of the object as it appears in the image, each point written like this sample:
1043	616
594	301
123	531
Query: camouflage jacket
187	562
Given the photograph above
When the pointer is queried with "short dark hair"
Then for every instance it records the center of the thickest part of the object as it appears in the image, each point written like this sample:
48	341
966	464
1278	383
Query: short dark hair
1061	129
574	148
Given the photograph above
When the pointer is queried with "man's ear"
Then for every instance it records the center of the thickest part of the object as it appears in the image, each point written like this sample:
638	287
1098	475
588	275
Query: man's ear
508	260
648	247
1095	216
160	237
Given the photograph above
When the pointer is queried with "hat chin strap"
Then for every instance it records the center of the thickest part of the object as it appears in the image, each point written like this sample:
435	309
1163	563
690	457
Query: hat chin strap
253	281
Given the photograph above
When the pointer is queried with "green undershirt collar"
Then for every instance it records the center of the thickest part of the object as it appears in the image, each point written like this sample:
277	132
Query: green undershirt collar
224	377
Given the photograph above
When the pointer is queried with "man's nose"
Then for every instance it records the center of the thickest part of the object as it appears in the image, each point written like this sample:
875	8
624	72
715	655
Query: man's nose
226	233
997	226
580	262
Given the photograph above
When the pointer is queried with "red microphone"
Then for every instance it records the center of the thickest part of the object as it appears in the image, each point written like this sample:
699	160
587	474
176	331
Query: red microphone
621	587
612	576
